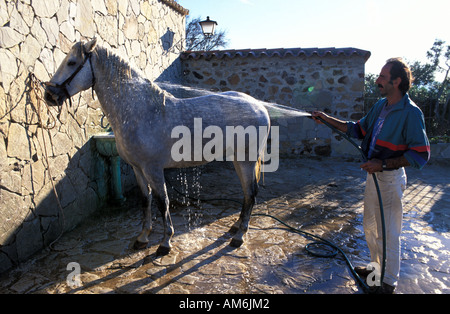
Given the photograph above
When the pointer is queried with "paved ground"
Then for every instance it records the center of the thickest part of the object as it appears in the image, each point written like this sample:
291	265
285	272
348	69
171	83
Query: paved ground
321	197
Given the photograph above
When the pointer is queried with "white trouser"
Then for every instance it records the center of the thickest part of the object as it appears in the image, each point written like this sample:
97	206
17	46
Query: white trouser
392	185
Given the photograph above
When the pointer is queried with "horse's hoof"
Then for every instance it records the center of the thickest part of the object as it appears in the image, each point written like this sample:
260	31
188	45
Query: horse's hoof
138	245
236	243
162	250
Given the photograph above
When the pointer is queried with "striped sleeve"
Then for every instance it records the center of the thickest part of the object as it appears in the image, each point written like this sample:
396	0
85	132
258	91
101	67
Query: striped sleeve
359	129
354	129
418	153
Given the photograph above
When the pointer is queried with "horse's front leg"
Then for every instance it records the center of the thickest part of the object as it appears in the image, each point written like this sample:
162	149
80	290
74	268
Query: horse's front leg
162	201
157	183
142	240
155	179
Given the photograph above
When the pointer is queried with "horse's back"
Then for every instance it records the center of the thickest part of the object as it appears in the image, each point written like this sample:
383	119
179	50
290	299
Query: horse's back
153	137
224	109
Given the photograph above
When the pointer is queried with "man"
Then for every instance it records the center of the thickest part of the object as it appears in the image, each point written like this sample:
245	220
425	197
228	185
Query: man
394	137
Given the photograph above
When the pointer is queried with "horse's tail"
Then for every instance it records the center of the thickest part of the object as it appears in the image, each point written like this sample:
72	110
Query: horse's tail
258	170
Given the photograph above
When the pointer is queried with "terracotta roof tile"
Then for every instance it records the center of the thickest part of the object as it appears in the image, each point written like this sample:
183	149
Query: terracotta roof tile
281	52
174	5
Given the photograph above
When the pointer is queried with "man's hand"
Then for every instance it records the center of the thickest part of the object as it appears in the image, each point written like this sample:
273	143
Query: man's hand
319	114
372	166
338	124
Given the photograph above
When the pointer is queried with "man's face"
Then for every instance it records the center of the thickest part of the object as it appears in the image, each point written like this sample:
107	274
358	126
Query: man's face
384	82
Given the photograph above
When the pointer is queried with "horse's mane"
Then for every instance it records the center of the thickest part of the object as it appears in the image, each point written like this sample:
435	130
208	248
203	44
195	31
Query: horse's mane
113	66
116	69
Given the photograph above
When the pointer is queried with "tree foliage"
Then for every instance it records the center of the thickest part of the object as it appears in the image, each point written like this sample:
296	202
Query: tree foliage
195	40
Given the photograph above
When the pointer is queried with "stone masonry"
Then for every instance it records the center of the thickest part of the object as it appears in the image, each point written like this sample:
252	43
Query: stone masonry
328	79
34	38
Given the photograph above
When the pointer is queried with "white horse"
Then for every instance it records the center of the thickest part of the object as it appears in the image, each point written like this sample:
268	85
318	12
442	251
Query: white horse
143	118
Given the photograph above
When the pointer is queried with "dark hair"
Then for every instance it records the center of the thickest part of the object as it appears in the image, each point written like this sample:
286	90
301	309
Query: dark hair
401	70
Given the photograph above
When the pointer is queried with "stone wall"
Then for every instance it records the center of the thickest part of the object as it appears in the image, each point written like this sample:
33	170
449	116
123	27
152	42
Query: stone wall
34	37
330	79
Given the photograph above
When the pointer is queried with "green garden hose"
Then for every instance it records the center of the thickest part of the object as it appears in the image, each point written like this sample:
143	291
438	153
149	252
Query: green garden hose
380	200
324	244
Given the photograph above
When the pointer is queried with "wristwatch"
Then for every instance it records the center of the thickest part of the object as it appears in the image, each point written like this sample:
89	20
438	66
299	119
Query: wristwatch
384	165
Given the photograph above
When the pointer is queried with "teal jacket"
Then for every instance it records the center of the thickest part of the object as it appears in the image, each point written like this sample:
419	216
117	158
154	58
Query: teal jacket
403	133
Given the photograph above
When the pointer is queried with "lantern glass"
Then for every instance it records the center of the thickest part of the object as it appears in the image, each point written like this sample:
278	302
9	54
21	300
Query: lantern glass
208	27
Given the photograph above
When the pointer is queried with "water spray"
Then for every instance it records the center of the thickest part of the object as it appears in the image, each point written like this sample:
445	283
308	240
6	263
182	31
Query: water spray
275	109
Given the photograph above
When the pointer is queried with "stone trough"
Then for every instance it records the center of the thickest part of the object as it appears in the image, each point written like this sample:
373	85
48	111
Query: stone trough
105	144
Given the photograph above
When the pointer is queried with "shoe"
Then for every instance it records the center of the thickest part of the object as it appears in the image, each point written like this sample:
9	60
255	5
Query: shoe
363	272
384	289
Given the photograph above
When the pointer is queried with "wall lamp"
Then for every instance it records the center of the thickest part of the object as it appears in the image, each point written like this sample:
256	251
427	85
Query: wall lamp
208	27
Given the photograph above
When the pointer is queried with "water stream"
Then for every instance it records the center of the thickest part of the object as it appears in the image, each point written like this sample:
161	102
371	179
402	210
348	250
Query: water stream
275	110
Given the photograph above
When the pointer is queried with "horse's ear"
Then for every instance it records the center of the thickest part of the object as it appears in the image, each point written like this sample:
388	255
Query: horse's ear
89	46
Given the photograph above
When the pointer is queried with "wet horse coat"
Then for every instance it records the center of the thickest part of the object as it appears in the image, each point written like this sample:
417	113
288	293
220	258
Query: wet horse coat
143	118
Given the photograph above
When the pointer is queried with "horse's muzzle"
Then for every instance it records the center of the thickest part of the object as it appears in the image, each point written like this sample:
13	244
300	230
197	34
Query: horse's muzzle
55	95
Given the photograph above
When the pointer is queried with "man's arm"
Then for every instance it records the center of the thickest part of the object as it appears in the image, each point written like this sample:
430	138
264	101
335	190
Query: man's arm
395	163
338	124
376	165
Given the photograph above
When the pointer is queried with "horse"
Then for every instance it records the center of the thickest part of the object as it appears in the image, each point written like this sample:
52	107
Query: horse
143	118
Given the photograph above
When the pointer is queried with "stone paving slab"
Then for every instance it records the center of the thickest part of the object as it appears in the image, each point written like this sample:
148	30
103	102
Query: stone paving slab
323	197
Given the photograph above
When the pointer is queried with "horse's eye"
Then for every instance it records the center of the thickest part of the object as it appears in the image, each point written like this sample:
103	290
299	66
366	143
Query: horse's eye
71	63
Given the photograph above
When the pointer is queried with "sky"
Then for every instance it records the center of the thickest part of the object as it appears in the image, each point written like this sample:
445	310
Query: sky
386	28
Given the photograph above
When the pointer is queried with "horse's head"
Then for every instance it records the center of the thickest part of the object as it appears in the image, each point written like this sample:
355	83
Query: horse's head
74	75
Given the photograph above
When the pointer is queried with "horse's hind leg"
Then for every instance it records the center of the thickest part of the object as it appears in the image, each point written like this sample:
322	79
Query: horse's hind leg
246	173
